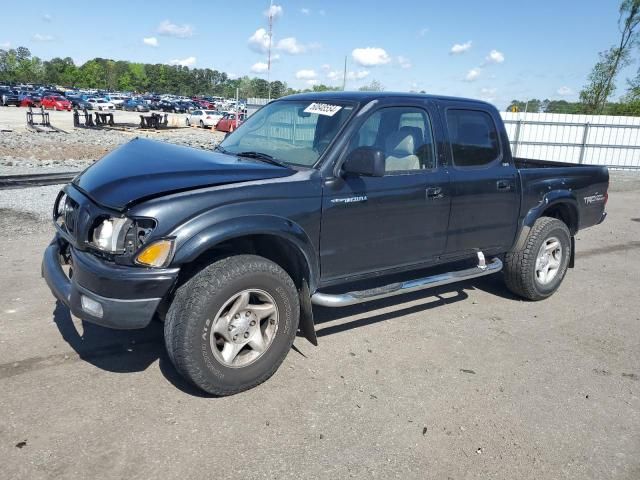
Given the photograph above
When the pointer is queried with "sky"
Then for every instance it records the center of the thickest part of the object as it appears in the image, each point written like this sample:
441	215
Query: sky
496	50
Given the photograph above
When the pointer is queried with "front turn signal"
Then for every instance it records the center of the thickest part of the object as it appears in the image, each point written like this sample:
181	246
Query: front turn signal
156	254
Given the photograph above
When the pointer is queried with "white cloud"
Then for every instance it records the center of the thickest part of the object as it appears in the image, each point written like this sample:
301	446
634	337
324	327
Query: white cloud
259	41
274	11
39	37
565	91
422	32
488	94
472	75
185	62
494	57
259	67
404	62
305	74
275	57
313	82
359	75
47	18
326	66
5	45
291	46
370	56
305	11
333	75
169	29
151	41
459	48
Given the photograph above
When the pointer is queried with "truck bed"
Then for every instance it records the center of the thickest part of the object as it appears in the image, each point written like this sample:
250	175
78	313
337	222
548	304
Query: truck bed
586	186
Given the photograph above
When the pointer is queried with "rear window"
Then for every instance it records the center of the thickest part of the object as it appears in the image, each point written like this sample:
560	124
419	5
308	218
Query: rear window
473	137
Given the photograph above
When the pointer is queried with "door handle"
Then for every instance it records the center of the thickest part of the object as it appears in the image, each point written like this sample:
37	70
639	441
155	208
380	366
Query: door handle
434	193
504	185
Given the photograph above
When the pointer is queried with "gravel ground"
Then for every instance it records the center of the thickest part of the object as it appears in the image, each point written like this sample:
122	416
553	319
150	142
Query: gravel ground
461	382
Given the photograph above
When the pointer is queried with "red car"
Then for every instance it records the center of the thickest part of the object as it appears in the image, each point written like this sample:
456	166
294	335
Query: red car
229	122
205	104
56	102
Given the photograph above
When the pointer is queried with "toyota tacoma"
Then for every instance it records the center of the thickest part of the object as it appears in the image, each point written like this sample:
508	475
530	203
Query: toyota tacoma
326	199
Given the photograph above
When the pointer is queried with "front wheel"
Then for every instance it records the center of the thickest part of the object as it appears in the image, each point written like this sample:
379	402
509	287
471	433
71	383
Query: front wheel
232	324
536	271
201	124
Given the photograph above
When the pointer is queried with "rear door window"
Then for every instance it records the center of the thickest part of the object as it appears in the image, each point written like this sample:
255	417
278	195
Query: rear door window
473	136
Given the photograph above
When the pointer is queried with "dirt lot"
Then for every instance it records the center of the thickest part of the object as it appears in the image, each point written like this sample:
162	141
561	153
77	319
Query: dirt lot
461	382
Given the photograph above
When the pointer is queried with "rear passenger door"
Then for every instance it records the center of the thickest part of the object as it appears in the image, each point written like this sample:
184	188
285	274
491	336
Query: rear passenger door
485	195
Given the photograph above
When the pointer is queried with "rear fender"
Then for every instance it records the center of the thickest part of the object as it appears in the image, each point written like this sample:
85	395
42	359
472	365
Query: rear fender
549	200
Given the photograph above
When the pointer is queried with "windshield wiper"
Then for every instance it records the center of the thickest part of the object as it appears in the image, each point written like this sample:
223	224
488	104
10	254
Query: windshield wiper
220	149
264	157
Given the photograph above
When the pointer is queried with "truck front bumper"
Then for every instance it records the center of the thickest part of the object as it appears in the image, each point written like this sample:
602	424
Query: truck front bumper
114	296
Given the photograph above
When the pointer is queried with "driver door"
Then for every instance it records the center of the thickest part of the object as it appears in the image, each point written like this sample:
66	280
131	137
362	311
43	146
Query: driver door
373	224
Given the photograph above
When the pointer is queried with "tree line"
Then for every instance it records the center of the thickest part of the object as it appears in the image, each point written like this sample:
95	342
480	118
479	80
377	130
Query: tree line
20	66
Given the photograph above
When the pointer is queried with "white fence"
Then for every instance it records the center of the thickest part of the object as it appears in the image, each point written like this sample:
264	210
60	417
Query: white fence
590	139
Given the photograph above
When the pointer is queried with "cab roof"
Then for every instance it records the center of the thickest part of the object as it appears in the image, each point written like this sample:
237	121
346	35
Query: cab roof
363	97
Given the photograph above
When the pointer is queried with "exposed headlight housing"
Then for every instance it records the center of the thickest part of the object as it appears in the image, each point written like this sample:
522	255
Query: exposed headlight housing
109	234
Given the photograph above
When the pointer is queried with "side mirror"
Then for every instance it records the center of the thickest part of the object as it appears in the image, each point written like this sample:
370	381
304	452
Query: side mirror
367	161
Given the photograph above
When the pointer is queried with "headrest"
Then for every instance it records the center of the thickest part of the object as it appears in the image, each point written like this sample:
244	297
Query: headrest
402	142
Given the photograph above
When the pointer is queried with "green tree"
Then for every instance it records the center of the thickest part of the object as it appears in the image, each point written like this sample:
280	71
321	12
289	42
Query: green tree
375	86
601	80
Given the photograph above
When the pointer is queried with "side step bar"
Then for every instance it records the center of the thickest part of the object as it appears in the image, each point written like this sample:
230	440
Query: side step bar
351	298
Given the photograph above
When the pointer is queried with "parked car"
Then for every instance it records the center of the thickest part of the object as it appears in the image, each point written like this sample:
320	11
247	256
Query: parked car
101	104
204	118
409	191
229	122
135	105
117	100
78	102
171	107
29	99
56	102
9	97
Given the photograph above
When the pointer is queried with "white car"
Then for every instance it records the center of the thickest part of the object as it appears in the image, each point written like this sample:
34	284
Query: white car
117	100
204	118
101	104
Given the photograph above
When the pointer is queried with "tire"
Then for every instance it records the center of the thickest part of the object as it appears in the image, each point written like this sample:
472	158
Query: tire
201	124
201	305
524	269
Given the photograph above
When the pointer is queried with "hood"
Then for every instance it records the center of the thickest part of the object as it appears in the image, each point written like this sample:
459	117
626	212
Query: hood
143	169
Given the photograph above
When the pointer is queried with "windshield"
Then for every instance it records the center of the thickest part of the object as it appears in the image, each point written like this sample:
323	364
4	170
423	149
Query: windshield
292	132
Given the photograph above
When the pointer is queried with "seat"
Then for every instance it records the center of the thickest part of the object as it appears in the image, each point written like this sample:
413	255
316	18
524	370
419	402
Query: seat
400	150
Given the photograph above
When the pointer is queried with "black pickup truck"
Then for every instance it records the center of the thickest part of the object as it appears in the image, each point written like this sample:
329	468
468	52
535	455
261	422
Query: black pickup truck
317	199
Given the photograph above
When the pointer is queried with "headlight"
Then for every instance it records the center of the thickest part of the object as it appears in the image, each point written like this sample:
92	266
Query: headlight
109	235
156	254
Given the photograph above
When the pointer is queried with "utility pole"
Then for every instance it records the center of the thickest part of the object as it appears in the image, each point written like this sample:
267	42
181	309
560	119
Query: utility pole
344	75
269	57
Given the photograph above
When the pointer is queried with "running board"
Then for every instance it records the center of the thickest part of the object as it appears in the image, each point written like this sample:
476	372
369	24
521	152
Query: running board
351	298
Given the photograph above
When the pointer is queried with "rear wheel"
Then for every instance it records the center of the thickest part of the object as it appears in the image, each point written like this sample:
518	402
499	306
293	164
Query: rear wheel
231	325
536	271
